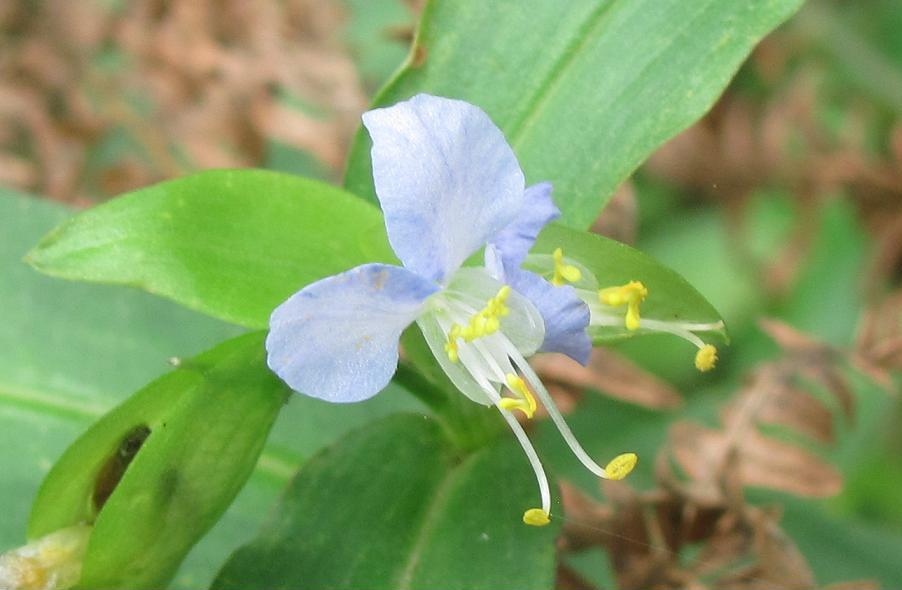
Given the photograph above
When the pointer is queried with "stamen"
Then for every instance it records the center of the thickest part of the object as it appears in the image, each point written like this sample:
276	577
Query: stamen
706	358
621	465
491	351
482	323
526	403
536	517
631	294
485	321
531	455
563	272
675	329
557	418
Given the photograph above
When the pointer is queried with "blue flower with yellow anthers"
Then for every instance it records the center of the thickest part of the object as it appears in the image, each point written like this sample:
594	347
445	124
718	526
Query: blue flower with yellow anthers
449	185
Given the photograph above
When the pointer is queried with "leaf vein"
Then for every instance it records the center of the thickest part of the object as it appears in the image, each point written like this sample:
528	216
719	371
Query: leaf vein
430	518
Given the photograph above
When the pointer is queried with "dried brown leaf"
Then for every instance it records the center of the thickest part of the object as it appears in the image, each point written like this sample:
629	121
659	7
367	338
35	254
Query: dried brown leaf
204	86
612	375
834	382
762	461
792	340
790	407
781	562
619	218
878	346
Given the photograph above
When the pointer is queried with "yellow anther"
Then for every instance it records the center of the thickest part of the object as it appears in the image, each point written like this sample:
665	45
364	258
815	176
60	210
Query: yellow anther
526	402
482	323
632	295
706	358
451	349
486	321
536	517
451	344
621	466
510	403
563	272
491	325
476	327
632	320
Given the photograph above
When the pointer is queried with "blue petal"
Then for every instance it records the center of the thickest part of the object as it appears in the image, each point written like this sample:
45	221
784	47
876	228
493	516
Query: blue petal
337	339
446	178
514	241
566	316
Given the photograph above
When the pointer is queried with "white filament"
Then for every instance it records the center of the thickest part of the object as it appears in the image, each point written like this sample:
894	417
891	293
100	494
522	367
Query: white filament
531	455
555	414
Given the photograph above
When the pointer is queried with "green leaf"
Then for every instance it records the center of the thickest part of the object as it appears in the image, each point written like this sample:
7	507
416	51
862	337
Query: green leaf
392	506
157	472
70	352
60	340
670	296
841	549
583	90
229	243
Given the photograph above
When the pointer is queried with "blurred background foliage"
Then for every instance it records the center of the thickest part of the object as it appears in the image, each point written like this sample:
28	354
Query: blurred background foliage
784	202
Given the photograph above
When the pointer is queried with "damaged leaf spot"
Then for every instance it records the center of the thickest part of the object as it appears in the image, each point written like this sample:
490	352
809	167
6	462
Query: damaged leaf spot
418	58
114	468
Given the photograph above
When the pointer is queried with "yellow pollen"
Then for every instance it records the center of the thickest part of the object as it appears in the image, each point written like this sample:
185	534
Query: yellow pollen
632	295
526	403
563	272
621	466
706	358
482	323
451	344
536	517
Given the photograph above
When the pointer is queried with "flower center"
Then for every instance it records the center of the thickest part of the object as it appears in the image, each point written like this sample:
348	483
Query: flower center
482	347
484	322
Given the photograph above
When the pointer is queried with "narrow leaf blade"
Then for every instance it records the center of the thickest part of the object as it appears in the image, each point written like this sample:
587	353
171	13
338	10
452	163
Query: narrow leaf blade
229	243
584	90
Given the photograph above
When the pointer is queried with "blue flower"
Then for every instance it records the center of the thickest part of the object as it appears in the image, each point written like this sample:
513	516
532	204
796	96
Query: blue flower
449	185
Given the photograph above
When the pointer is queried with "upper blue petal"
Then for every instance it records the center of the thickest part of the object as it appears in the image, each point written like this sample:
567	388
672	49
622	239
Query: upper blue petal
337	339
446	178
514	241
566	316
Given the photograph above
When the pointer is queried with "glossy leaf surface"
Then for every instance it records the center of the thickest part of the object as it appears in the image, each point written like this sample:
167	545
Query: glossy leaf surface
156	473
392	506
583	90
229	243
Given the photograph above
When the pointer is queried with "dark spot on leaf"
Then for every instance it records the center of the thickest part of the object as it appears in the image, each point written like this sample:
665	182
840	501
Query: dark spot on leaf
168	485
114	467
419	56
